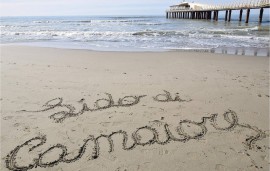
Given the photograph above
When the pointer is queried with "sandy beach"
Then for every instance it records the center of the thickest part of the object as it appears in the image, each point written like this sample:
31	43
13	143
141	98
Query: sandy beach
80	110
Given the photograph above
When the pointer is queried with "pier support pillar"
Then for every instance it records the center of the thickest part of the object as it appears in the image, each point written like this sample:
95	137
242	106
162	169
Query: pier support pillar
230	15
167	15
241	14
247	17
261	15
226	15
216	15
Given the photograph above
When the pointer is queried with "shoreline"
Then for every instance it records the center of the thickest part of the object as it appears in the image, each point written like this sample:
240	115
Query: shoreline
239	51
92	110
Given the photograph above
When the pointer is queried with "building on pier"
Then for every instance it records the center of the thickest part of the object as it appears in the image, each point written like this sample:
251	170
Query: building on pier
188	6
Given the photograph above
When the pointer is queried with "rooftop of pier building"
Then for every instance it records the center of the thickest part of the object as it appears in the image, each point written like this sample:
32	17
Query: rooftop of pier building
189	5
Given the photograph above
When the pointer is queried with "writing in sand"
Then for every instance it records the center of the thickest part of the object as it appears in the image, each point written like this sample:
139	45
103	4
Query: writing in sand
199	130
100	104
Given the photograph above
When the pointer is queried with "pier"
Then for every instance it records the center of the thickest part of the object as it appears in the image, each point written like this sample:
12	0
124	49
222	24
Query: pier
187	10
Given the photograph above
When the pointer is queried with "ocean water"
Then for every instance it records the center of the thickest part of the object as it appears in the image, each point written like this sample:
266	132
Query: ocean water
135	33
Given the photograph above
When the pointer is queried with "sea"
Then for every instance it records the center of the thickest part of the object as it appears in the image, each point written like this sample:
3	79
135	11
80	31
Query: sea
139	33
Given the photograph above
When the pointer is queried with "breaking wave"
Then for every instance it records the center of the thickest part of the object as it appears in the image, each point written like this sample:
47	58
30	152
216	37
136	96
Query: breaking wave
134	31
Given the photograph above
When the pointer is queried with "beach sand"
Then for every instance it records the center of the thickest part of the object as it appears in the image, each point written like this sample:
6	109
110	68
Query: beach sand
143	88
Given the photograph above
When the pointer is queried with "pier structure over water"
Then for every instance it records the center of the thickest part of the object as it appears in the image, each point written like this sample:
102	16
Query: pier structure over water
193	10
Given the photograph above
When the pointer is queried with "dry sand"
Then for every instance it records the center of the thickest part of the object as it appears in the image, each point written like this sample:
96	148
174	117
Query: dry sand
207	84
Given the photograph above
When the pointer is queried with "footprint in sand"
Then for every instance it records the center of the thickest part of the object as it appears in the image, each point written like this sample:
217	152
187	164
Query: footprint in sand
163	152
16	125
26	129
7	117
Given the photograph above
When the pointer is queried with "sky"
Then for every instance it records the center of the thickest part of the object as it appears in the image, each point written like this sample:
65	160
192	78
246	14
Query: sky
90	7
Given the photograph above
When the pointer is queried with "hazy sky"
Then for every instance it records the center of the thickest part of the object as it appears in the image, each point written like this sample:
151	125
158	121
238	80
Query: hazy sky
88	7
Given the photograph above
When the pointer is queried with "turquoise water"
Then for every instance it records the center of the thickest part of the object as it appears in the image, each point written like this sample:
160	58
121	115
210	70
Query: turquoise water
134	33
